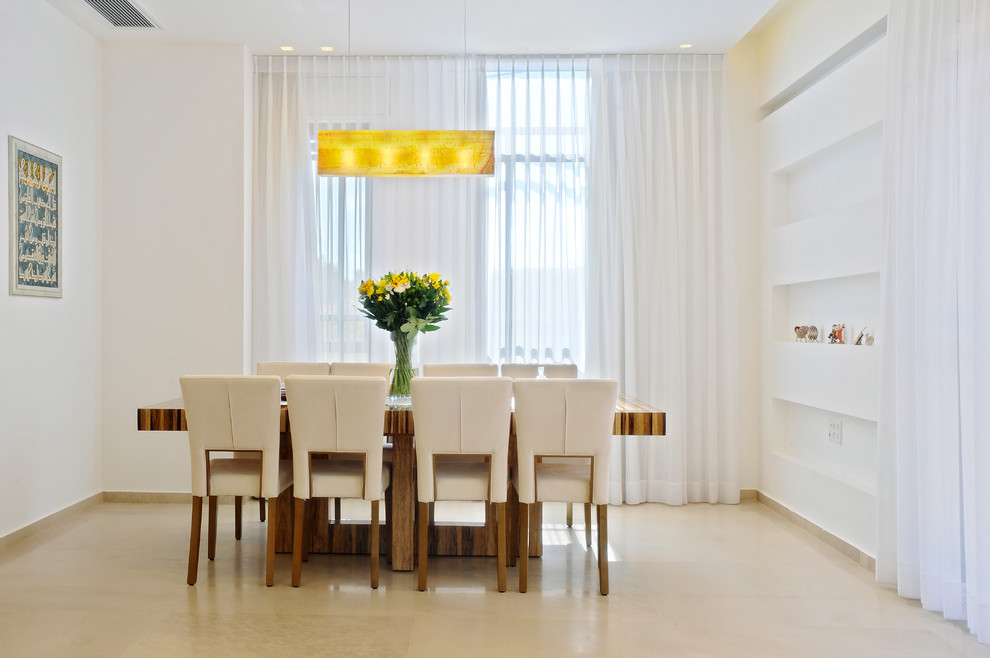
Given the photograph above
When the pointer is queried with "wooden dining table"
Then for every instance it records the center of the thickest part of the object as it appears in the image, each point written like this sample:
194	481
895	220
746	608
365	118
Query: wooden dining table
631	418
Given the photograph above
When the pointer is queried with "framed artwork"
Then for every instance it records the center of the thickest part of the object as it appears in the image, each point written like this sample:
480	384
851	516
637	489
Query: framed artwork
35	192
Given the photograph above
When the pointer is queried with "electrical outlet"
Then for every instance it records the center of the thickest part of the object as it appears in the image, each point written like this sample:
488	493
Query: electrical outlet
835	431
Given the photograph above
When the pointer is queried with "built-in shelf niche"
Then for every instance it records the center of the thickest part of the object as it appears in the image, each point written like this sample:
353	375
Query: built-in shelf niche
831	181
853	300
843	379
804	439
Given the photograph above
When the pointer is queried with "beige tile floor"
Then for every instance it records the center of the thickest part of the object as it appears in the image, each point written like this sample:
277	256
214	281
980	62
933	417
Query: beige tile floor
698	580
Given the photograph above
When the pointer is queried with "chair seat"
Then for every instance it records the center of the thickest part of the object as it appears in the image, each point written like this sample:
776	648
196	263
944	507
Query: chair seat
242	476
342	478
564	483
461	480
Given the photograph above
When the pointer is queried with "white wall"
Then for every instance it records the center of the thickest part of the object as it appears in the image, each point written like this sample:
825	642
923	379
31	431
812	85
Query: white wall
819	221
176	197
50	348
743	84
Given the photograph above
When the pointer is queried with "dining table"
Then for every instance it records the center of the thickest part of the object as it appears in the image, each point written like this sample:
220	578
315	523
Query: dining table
632	418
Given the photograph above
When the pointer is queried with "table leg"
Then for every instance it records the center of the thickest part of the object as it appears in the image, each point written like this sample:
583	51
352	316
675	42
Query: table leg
403	512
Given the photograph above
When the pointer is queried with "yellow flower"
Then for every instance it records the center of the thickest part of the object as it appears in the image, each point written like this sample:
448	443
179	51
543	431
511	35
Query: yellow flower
367	287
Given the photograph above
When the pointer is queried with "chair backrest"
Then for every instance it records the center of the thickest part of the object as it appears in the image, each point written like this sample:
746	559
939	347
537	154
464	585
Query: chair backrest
560	370
520	370
285	368
462	415
336	414
460	370
564	417
345	369
233	413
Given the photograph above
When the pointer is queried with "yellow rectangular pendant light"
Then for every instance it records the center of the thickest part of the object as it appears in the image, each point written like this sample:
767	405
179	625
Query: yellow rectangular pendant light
406	153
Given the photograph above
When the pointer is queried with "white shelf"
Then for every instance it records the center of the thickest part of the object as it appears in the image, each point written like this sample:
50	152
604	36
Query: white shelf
837	244
839	378
867	488
844	103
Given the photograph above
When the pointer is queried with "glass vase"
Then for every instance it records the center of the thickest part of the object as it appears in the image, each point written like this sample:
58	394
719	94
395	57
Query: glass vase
404	369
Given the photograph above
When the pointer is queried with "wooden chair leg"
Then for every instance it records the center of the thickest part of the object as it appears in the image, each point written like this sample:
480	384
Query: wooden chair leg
307	538
373	544
523	546
297	541
603	549
500	520
211	545
194	532
423	521
512	530
270	548
587	524
238	502
570	514
388	525
261	509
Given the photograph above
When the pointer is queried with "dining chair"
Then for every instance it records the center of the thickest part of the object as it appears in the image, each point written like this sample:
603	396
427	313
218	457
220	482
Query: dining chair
559	370
283	369
336	449
460	370
351	369
238	415
360	369
563	419
520	370
569	371
462	450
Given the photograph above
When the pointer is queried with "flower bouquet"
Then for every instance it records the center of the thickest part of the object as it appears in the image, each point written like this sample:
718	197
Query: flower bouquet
404	304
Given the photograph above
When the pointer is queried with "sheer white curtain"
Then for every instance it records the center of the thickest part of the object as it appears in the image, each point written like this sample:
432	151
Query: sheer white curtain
662	309
933	485
538	220
351	229
287	300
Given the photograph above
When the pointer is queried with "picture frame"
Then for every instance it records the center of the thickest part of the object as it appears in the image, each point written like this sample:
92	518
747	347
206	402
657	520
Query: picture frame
35	192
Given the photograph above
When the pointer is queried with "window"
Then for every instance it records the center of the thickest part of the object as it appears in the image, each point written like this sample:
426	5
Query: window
537	210
343	253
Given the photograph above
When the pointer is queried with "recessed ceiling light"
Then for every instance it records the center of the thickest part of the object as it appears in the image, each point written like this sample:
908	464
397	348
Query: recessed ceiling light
326	49
687	45
523	47
564	48
287	49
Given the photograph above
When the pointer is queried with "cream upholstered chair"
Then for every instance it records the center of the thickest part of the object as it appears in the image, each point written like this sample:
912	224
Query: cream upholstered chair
520	370
237	414
285	368
462	417
569	371
564	419
345	369
357	369
560	370
333	417
460	370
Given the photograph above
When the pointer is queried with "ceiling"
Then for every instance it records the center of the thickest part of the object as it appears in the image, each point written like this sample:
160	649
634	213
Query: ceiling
435	27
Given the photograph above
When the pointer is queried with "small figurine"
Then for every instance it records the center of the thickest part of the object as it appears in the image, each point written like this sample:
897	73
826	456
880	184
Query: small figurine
813	334
835	336
800	333
869	339
842	328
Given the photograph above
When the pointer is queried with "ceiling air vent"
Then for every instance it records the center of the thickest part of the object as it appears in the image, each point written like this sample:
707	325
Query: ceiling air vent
121	13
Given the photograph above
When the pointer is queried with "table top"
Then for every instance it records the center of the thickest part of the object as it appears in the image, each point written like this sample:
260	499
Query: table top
632	417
